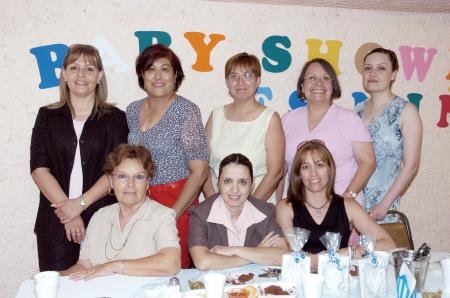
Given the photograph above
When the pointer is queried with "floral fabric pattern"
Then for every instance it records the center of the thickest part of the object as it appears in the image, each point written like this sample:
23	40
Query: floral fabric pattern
387	141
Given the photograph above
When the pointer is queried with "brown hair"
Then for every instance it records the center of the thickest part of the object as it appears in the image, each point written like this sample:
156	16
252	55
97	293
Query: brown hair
127	151
152	53
318	151
91	55
330	72
237	159
243	60
392	56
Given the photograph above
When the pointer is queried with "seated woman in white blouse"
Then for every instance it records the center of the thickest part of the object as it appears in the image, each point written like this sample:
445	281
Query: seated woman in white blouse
136	236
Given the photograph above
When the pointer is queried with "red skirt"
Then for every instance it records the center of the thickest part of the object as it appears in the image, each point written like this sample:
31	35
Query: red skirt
167	195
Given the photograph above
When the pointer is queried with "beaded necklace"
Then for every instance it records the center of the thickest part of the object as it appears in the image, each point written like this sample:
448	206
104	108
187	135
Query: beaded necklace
118	250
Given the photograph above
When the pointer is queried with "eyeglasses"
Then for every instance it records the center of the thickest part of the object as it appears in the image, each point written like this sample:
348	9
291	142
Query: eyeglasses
313	142
313	79
247	76
138	178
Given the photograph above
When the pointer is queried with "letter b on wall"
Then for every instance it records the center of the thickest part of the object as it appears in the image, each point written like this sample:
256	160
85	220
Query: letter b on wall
47	64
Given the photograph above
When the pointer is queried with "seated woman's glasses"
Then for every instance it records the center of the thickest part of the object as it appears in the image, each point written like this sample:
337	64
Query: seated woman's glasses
137	178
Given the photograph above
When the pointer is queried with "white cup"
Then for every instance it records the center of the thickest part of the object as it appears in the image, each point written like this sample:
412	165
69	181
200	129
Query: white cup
445	264
46	284
214	285
312	285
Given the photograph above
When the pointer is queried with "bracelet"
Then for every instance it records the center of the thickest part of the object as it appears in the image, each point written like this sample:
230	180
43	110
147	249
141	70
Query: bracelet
122	267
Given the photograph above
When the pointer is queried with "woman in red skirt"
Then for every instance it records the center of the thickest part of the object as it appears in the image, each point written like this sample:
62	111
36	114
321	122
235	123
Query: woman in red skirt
171	128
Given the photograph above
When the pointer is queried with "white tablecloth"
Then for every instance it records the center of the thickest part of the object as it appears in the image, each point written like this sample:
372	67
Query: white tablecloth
121	286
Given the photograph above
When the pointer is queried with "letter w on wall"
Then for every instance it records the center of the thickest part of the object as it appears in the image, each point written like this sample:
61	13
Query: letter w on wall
414	58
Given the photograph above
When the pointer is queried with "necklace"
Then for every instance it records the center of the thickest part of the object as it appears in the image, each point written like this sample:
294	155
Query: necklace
118	250
317	210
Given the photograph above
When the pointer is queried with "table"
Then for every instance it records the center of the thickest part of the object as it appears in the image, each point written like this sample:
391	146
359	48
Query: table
120	286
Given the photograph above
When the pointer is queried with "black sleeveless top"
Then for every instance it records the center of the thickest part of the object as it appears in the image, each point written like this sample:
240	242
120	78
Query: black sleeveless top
335	220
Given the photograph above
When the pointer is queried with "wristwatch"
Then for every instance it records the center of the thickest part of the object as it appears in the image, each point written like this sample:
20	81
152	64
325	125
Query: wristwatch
352	194
82	202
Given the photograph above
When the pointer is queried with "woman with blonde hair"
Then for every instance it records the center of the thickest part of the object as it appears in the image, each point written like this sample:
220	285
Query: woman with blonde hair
69	144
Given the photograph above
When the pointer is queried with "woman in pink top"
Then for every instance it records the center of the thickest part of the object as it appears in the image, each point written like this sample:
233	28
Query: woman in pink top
343	132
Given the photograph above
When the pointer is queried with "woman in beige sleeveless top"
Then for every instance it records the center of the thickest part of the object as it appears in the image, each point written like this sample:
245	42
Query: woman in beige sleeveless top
247	127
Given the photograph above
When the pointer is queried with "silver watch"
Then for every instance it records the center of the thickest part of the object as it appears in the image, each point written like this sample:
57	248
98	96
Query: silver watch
352	194
82	202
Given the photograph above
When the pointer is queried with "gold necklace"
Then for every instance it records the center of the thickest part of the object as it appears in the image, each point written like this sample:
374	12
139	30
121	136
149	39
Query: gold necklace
124	244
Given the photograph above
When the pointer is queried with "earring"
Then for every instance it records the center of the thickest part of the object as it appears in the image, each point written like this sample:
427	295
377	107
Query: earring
98	83
111	191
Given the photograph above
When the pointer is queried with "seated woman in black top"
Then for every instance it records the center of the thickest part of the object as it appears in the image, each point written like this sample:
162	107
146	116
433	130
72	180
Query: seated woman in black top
312	204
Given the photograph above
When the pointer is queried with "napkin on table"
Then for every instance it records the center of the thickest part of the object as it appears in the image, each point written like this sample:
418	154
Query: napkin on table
406	283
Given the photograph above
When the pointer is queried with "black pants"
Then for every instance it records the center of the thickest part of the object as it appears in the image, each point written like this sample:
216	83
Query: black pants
56	255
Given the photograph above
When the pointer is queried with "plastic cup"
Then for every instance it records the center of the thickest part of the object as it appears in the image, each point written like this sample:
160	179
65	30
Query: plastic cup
214	285
312	285
46	284
445	264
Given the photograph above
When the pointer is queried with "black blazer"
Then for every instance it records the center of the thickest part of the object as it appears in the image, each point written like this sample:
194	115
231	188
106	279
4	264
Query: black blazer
53	146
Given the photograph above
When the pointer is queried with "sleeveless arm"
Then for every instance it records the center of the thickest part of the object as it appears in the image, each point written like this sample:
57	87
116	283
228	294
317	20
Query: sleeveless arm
275	147
412	131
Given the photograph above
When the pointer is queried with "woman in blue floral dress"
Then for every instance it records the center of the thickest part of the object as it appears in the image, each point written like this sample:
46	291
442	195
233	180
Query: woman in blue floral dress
396	130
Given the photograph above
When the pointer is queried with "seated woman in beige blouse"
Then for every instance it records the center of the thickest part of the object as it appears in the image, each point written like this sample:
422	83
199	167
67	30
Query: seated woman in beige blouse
136	236
232	229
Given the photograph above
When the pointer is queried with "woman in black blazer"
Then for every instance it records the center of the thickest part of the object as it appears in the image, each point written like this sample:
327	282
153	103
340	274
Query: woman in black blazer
69	144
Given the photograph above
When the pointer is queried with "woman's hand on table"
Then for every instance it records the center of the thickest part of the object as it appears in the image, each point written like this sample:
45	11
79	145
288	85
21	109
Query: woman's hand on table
75	230
270	240
67	210
100	270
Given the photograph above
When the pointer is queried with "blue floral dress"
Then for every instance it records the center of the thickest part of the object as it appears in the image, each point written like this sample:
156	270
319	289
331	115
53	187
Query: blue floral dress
387	141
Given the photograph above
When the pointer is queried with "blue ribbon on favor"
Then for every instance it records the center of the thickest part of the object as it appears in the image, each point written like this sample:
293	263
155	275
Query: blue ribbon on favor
335	260
374	260
298	255
403	291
